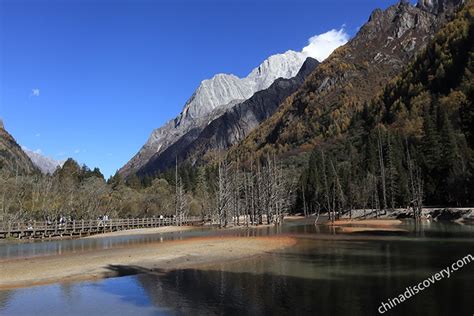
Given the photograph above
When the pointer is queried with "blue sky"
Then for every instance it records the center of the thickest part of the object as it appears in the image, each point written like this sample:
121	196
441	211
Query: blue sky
91	79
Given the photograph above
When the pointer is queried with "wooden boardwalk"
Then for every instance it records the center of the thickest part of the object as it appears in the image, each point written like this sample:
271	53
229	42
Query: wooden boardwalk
41	230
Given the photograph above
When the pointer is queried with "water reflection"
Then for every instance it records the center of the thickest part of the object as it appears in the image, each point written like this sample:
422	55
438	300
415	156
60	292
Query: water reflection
349	276
302	227
319	279
56	247
118	296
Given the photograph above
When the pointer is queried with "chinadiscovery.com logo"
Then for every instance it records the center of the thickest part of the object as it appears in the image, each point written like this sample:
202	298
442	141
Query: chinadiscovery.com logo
415	289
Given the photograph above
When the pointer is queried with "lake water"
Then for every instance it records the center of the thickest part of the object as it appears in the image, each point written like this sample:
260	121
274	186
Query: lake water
323	274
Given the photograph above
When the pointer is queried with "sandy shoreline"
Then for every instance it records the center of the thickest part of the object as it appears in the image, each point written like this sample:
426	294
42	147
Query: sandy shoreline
144	231
368	225
366	222
97	264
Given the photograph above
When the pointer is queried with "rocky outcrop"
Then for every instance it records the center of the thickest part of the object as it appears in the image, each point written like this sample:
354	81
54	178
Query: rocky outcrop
438	6
232	126
225	88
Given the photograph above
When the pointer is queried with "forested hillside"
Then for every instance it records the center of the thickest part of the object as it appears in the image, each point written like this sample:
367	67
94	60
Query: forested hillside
324	106
411	144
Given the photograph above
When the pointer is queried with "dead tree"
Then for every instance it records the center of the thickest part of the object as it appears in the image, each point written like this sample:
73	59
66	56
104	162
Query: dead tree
202	191
326	189
391	174
338	188
382	171
416	185
305	212
223	194
181	207
278	189
236	202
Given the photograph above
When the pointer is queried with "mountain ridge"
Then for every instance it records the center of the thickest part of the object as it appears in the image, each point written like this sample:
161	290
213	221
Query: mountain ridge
351	76
232	126
221	91
13	159
46	165
412	144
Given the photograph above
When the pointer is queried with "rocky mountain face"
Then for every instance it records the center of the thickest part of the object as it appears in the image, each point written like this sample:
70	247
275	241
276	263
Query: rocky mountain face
230	127
12	158
225	88
211	99
351	76
439	6
45	164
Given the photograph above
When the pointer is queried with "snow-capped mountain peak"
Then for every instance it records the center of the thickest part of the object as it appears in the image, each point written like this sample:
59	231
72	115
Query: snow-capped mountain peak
219	92
47	165
224	88
284	65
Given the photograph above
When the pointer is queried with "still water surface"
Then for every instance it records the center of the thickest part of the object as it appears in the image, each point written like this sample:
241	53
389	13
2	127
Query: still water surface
315	277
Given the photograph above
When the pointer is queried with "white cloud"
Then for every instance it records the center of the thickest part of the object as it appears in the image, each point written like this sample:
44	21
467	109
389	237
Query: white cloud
35	92
37	134
322	45
76	151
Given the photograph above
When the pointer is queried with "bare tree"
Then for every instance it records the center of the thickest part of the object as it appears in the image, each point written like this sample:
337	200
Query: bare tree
327	189
382	170
181	204
416	185
391	173
338	188
223	194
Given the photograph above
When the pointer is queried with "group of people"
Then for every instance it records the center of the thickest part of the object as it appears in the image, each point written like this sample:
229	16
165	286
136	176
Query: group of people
102	220
60	220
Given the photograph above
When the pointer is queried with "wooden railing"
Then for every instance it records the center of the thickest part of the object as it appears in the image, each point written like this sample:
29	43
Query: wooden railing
45	229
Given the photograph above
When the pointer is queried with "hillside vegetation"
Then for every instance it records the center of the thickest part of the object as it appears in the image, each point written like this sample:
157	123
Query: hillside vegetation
413	142
324	106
